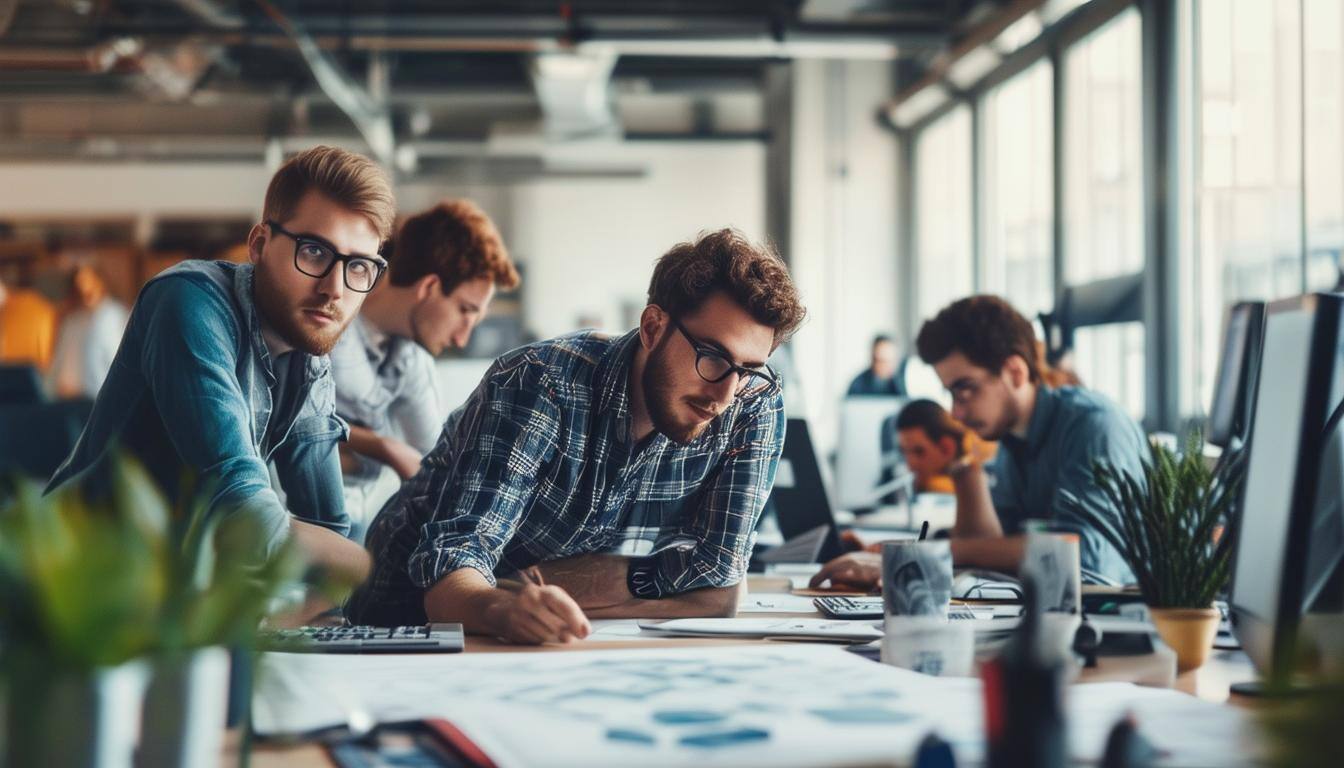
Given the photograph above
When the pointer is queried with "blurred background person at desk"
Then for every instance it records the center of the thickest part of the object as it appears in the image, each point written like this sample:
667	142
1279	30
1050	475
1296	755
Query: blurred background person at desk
629	472
931	442
880	376
27	326
984	352
445	266
88	338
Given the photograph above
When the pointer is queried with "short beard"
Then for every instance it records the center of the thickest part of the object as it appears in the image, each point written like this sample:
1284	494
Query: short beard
276	312
658	398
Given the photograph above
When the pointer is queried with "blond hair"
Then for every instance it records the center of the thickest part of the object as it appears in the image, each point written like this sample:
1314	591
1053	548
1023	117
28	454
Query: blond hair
349	179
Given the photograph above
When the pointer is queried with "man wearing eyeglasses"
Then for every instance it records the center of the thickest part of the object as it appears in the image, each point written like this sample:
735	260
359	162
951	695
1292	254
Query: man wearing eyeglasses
984	351
593	477
222	369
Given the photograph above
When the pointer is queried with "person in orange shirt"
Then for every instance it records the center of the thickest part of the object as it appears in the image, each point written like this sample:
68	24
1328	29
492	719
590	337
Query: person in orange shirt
931	442
27	327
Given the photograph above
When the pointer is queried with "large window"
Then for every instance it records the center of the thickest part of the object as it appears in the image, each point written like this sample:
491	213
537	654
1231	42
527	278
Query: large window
1018	185
1103	195
1248	188
944	262
1323	108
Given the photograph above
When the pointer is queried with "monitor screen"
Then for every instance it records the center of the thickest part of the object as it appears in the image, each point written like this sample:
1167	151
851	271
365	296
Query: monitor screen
1227	412
1271	468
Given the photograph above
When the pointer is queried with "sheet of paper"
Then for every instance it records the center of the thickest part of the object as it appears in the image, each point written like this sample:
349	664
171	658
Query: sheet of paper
776	603
618	630
768	705
821	629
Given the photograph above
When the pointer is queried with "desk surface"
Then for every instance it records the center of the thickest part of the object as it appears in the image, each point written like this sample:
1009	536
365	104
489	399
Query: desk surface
1210	682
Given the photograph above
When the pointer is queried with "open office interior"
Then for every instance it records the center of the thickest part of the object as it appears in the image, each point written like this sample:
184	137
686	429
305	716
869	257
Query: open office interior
499	383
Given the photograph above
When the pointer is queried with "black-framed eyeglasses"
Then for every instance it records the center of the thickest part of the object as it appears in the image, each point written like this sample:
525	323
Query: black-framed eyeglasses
713	366
315	257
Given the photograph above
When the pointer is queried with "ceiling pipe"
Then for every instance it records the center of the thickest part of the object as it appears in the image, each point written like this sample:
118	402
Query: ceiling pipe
209	12
371	118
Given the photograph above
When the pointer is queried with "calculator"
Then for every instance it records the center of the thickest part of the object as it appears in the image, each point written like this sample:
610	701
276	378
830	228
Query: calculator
427	638
838	607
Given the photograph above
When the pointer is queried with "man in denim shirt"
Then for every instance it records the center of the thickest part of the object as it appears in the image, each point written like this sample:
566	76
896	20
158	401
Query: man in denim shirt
223	367
605	477
984	352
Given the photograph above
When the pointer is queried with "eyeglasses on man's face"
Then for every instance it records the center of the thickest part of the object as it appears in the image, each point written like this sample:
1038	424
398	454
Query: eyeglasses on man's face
315	257
714	366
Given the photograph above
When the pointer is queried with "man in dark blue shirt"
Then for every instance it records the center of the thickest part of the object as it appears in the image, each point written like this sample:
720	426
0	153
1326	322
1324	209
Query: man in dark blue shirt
984	352
628	473
880	377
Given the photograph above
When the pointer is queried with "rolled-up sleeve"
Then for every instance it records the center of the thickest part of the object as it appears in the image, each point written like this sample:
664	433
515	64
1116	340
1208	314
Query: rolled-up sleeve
724	522
505	434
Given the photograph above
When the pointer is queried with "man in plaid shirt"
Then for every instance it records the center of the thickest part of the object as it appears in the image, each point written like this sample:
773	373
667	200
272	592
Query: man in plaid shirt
593	477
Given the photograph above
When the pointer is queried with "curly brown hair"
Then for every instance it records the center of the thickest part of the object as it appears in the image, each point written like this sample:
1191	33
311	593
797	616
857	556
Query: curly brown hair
753	275
986	329
454	240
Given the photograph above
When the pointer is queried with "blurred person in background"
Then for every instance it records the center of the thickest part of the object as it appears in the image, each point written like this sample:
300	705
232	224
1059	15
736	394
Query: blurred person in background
89	335
445	266
880	376
27	326
932	441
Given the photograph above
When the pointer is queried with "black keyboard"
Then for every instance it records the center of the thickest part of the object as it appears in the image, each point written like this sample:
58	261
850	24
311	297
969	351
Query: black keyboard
429	638
871	608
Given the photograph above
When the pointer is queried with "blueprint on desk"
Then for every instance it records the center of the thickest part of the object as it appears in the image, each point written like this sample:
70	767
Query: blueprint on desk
770	705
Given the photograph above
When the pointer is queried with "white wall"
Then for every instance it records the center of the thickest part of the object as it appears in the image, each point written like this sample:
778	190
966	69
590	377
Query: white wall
589	245
844	228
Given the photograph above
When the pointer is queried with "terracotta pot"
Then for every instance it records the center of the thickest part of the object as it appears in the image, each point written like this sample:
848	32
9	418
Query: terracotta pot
1187	631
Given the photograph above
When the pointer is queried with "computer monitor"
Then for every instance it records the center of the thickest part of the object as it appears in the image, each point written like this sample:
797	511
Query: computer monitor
860	459
1293	458
1230	411
799	497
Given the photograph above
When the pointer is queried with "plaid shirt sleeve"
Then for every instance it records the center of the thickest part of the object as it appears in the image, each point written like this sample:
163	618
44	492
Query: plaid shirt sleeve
730	505
505	435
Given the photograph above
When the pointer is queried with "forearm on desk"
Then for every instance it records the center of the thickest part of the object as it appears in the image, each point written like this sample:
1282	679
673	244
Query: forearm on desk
598	584
331	552
1001	553
975	508
466	597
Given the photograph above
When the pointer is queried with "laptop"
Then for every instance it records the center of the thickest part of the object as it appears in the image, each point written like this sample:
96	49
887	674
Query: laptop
801	503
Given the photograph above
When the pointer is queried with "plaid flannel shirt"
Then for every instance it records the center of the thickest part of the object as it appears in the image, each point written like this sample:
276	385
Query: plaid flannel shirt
537	465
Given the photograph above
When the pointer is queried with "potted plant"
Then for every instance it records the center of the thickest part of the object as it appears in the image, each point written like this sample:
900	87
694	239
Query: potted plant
105	594
1170	526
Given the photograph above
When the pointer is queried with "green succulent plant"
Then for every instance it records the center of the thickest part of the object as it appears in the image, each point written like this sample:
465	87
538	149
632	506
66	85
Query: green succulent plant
1170	524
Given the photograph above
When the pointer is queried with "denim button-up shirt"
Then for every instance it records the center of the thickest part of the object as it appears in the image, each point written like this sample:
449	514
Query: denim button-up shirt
193	355
538	465
1070	429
